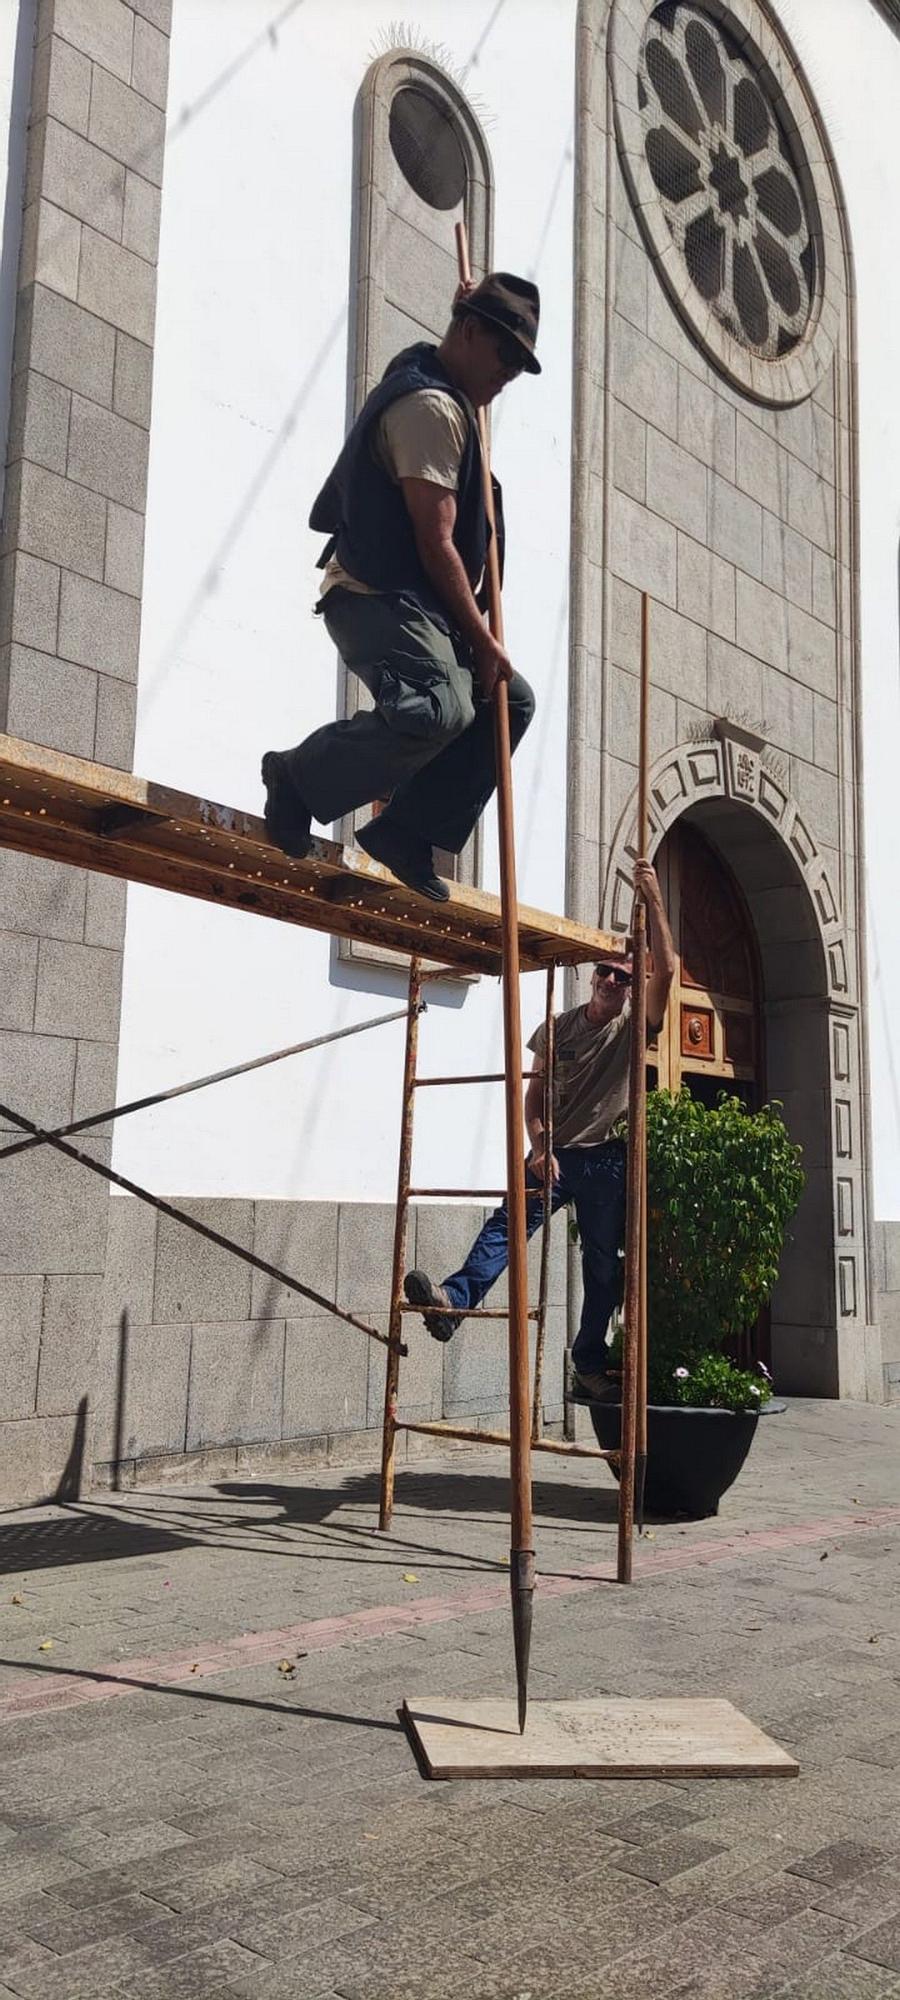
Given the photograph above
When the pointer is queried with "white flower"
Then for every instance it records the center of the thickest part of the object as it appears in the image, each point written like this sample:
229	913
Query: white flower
755	1389
681	1374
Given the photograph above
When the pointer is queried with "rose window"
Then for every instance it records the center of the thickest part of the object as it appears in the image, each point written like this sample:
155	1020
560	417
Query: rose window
724	173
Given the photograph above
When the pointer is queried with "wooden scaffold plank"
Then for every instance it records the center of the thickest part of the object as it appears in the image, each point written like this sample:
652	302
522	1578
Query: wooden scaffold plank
90	816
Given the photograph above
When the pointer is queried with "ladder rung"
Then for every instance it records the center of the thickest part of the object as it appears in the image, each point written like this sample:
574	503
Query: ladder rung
492	1076
474	1312
476	1194
562	1447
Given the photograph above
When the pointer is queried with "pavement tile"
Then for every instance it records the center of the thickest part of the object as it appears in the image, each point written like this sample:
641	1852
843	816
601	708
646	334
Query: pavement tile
72	1928
773	1898
235	1875
85	1974
865	1899
174	1936
793	1949
279	1936
20	1955
205	1974
648	1826
842	1861
668	1857
881	1945
843	1978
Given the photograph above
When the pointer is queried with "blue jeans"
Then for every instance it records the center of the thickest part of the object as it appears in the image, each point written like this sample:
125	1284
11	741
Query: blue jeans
593	1177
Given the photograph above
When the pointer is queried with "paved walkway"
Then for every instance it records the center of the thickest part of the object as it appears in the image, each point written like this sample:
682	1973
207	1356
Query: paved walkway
206	1792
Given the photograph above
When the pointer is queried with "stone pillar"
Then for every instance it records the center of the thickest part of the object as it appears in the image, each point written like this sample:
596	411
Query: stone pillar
70	583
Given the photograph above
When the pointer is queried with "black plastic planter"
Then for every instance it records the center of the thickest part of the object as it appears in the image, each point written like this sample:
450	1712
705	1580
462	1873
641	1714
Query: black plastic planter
693	1456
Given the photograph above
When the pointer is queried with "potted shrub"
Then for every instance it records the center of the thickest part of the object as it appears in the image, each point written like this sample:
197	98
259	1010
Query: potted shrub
722	1184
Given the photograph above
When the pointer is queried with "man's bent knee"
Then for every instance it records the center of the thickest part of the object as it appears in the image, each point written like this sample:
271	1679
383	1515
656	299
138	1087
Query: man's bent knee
521	704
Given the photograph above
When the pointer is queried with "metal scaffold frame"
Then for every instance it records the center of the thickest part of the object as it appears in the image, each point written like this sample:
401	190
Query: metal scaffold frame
85	815
412	1083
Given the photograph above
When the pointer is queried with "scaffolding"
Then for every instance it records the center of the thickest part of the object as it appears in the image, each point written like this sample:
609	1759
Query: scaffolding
86	815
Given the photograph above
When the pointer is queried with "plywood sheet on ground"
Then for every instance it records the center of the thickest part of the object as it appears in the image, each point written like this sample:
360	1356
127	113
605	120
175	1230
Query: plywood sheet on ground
70	810
609	1738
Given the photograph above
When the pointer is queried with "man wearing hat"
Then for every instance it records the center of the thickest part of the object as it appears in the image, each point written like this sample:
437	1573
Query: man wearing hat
587	1166
404	511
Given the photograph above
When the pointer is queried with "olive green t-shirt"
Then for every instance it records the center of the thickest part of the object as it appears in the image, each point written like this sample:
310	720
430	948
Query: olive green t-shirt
590	1089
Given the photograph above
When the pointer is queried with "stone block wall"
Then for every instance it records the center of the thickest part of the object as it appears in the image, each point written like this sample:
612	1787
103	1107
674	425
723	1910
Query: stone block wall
70	581
204	1362
886	1259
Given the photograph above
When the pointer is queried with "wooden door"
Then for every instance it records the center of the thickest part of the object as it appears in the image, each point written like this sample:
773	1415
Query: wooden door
711	1039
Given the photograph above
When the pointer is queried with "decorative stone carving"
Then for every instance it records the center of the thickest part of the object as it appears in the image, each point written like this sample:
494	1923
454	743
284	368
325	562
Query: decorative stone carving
726	768
730	186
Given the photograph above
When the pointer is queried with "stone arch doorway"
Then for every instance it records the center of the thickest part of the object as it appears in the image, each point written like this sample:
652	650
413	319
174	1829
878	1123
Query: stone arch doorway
728	794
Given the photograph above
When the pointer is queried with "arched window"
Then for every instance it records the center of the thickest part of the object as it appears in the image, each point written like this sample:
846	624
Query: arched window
421	164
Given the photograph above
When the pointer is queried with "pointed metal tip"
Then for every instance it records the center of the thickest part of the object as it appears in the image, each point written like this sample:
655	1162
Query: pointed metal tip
521	1581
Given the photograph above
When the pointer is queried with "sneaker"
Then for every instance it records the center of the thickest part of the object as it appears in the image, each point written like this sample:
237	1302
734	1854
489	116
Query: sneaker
286	815
411	860
421	1291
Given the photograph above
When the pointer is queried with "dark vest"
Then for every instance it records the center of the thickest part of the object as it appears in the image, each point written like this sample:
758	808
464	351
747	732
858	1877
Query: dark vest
362	509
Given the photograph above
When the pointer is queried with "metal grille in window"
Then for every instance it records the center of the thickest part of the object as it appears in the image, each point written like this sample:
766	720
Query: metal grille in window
724	172
426	147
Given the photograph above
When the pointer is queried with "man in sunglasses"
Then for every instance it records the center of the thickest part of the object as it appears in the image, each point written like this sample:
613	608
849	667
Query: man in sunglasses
401	597
587	1165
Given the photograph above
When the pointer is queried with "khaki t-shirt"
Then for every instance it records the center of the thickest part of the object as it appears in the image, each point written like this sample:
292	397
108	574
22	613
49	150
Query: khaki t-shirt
590	1089
422	436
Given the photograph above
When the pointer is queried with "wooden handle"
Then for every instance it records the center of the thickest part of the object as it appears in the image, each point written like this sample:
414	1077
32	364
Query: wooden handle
522	1559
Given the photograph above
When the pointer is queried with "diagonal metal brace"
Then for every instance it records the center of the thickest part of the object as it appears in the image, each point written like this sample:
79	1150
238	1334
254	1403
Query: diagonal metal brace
198	1083
190	1222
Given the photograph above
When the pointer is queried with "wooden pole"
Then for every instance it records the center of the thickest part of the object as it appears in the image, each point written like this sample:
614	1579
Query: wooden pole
521	1559
395	1323
634	1373
640	1466
547	1205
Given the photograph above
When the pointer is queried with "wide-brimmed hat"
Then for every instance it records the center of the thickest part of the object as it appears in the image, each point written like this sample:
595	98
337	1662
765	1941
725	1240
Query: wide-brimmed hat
513	304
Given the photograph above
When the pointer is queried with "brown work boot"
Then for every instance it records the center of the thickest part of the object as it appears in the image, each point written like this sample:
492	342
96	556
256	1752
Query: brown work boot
422	1291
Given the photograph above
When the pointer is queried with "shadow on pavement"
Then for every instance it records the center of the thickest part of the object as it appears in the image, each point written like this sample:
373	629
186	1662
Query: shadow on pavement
449	1494
199	1693
81	1538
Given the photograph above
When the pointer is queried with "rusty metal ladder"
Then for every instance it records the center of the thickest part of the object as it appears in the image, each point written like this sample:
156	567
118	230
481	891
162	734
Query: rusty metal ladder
399	1305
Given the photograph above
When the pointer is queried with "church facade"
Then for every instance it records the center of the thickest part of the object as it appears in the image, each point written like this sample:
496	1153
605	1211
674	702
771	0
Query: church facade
212	245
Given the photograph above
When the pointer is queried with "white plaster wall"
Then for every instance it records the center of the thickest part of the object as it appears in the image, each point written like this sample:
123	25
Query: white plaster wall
248	414
16	45
852	57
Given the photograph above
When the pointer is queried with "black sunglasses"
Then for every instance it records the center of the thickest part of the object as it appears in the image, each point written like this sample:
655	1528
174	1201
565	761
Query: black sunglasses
510	353
617	972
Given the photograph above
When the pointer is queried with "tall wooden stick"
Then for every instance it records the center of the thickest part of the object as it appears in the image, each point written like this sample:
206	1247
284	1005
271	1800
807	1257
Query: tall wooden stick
547	1205
521	1557
634	1373
398	1264
640	1463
